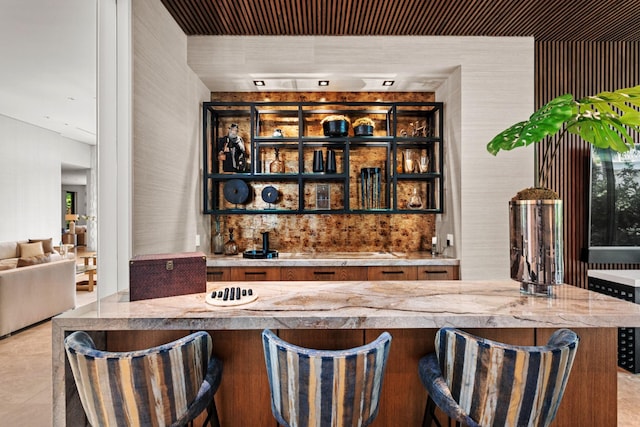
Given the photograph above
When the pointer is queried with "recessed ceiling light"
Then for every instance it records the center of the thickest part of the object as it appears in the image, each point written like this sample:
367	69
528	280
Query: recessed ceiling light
323	82
388	83
258	82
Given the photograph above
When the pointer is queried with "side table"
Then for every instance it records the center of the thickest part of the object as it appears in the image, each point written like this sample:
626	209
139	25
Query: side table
90	271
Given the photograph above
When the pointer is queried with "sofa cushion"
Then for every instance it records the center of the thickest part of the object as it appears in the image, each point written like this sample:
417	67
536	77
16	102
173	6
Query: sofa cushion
47	244
8	250
38	259
28	250
8	263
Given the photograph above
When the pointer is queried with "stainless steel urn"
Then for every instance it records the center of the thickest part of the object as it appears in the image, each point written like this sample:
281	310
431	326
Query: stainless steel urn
536	240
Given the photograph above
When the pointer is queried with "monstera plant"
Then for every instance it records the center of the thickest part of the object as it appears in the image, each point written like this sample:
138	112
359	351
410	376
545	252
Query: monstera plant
535	219
602	120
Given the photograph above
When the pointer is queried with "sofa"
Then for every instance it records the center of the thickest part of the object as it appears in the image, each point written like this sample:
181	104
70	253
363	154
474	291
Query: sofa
36	283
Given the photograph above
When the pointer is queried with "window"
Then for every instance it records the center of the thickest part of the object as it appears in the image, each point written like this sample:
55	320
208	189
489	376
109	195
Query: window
70	202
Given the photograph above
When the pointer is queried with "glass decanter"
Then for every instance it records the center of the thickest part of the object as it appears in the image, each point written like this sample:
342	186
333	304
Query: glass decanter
415	201
277	165
231	247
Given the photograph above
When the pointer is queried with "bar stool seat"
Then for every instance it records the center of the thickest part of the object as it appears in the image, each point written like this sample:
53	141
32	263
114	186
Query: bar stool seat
165	385
479	382
336	388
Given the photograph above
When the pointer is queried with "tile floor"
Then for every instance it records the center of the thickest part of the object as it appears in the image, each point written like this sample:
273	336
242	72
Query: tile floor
26	389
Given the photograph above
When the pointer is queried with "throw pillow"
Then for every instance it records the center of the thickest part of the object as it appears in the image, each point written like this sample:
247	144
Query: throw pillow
47	244
38	259
8	250
28	250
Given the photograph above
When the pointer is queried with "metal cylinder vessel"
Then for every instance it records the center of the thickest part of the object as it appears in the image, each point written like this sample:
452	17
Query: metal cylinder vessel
536	240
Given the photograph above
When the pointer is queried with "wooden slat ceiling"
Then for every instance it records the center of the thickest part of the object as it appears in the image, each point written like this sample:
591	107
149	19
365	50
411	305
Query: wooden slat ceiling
546	20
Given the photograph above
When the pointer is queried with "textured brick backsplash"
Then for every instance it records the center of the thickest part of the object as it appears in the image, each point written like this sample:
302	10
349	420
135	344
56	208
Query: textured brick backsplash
332	232
328	232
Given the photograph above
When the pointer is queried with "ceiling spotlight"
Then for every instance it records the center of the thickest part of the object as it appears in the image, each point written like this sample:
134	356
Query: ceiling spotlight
388	83
258	82
323	82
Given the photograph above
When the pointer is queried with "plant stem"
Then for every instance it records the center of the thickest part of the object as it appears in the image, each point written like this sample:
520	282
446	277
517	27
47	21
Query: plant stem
549	153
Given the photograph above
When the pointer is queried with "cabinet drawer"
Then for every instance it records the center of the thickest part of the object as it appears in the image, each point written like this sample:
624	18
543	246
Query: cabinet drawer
252	274
323	273
438	272
218	274
392	273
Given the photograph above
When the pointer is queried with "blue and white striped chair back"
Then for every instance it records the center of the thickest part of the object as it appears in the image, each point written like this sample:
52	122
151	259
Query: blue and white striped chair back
323	388
498	384
156	386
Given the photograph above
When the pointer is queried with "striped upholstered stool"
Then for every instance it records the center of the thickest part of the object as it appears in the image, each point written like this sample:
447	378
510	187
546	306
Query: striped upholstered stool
166	385
322	387
479	382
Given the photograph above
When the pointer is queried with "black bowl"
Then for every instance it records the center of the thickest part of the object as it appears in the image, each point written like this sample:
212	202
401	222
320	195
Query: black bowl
363	130
336	128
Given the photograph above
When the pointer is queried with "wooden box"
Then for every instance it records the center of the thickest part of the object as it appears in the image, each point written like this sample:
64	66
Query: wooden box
166	275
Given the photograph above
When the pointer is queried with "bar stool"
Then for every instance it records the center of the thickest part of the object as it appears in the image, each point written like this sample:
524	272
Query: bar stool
165	385
479	382
325	388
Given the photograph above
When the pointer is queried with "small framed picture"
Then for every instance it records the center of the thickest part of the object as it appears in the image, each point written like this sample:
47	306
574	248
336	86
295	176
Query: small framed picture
323	199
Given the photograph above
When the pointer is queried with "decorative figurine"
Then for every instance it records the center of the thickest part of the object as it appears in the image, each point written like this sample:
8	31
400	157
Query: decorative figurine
232	152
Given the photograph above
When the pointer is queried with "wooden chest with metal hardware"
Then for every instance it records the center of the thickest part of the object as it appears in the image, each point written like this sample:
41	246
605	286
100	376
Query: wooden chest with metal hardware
166	275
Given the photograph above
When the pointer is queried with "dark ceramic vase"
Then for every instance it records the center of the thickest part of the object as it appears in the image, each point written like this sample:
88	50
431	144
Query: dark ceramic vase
336	128
363	130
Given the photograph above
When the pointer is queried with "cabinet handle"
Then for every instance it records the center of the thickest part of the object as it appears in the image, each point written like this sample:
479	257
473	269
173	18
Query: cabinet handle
436	272
324	273
255	273
393	272
216	273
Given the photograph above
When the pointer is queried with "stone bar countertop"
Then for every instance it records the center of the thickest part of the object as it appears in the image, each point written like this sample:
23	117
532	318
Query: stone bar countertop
412	310
361	305
333	259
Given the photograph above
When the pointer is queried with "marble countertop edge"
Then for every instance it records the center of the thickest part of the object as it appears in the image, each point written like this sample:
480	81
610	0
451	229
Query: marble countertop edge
362	305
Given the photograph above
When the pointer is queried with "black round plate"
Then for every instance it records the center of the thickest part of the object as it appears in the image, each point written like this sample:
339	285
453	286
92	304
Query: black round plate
236	191
270	194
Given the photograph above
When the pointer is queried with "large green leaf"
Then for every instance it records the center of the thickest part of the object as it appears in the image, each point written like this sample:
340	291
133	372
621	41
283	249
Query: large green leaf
602	120
546	121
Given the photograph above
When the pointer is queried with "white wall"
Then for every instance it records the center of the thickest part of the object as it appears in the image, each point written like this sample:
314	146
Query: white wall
149	139
489	86
30	178
497	88
167	137
449	221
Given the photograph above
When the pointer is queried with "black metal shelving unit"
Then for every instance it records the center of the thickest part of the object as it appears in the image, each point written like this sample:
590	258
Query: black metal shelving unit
400	126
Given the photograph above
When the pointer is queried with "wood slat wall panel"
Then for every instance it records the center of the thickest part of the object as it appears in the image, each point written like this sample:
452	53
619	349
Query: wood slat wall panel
580	68
588	20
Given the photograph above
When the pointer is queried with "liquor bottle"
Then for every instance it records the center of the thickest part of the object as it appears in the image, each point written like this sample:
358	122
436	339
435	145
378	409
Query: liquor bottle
277	165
